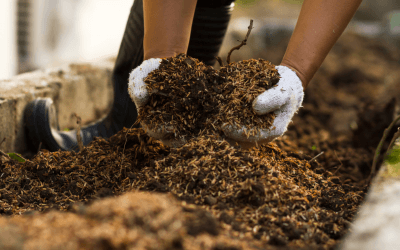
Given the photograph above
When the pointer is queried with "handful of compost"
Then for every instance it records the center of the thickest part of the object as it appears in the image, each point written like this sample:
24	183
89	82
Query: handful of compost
283	101
180	98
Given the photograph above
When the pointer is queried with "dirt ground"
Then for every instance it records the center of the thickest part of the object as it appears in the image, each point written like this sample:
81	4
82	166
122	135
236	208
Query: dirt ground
132	192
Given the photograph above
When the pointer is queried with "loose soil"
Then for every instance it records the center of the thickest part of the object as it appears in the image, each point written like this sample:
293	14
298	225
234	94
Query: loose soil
209	194
261	194
195	99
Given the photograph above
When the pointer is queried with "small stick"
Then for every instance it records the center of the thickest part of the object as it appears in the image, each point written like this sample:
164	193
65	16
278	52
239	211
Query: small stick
341	164
123	150
379	148
315	157
126	138
395	136
40	147
219	60
78	131
2	153
228	59
9	157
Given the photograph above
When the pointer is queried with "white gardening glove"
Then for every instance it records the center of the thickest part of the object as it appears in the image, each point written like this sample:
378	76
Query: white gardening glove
284	99
139	94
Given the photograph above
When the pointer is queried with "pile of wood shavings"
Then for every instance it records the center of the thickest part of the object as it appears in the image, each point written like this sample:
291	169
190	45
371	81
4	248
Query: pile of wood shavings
135	220
55	180
183	95
245	80
196	99
260	195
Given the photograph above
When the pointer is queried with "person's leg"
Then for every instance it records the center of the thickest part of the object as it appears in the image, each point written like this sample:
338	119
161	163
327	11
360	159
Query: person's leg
130	55
41	119
210	22
209	26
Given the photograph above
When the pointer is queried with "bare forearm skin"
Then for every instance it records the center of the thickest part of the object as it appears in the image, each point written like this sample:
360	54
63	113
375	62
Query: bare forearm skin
320	24
167	27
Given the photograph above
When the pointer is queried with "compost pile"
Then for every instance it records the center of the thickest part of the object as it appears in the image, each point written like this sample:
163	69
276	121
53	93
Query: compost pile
262	194
209	194
194	99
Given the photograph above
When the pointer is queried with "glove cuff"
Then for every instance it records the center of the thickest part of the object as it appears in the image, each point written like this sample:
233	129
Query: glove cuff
294	83
136	85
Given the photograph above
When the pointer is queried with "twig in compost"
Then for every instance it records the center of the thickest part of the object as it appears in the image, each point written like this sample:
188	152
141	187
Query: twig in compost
40	147
341	164
13	156
126	138
228	59
395	136
123	150
1	152
315	157
379	148
219	60
4	154
78	131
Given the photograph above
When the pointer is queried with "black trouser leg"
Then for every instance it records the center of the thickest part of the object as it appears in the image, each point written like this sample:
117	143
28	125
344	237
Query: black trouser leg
208	30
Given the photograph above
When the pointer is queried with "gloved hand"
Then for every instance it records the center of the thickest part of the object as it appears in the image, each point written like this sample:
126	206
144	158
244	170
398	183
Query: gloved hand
284	99
139	94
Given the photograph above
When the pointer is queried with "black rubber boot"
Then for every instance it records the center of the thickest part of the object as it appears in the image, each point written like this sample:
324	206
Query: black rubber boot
208	30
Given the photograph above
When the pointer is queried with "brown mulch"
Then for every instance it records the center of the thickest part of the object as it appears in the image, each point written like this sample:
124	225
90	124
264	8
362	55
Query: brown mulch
134	220
262	194
194	99
209	194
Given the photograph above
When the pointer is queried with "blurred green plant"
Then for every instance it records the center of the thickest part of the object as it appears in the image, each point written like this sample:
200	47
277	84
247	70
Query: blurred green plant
245	2
16	157
380	145
294	1
393	156
313	147
66	129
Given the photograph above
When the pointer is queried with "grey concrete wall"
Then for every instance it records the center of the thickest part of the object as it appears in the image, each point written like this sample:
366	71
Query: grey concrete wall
84	89
377	225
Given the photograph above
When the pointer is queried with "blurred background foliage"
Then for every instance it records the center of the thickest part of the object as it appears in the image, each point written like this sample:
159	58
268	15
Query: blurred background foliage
43	33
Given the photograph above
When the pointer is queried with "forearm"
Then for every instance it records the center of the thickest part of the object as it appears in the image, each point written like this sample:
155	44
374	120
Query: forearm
167	26
320	24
